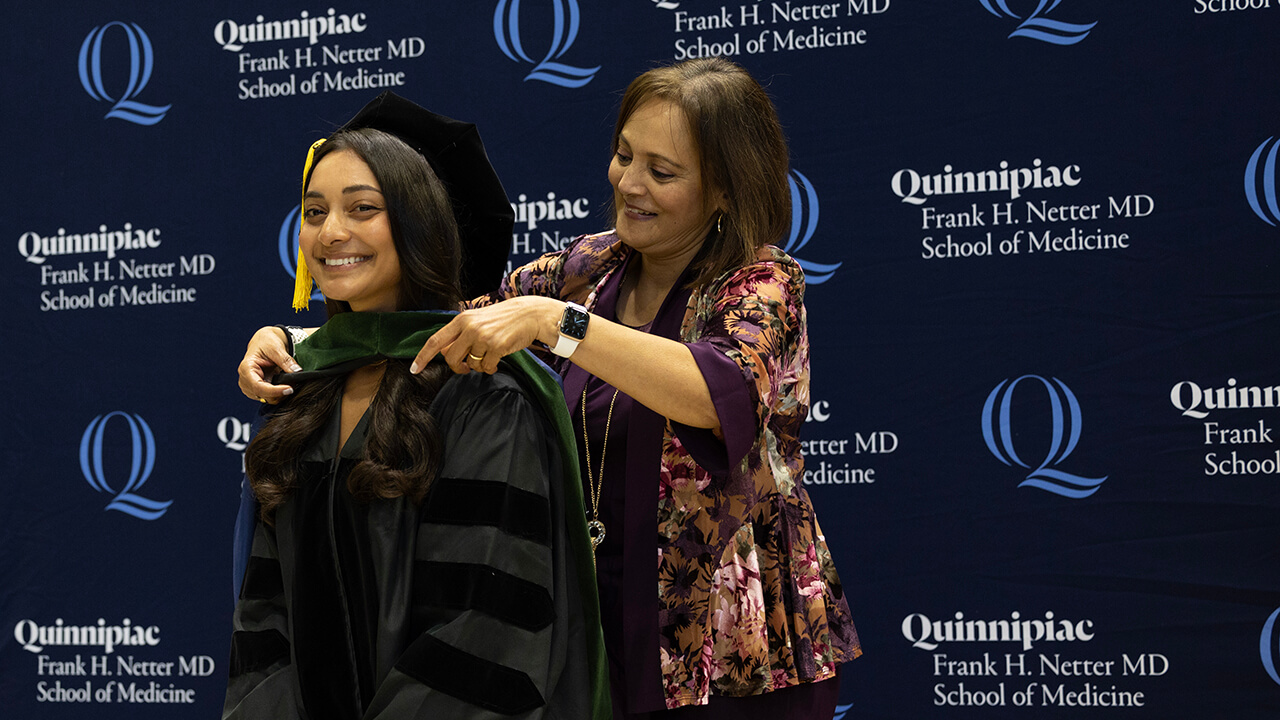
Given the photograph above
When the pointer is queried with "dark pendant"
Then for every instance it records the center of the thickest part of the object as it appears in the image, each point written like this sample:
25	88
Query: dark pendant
595	529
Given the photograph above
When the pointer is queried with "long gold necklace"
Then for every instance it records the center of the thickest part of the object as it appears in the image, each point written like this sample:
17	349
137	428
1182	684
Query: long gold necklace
595	481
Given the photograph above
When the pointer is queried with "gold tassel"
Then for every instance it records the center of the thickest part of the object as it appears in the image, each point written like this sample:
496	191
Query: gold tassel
302	280
302	285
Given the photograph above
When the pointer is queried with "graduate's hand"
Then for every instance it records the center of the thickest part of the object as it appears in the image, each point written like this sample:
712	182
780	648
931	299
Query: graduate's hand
477	339
265	356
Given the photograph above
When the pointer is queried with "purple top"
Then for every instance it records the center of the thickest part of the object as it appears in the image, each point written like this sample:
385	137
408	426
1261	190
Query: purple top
628	502
749	601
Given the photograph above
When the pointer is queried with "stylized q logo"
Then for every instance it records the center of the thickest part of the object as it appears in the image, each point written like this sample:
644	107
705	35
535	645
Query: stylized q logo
1267	645
140	64
565	19
142	461
999	437
1263	179
290	229
1038	27
804	221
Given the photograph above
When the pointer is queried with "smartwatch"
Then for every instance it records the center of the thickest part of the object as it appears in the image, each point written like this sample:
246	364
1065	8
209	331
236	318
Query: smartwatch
573	328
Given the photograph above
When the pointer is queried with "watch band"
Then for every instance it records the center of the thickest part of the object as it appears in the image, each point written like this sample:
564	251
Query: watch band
573	328
565	346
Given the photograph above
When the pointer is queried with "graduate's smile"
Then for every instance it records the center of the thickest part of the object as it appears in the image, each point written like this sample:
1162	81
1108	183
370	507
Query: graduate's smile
340	261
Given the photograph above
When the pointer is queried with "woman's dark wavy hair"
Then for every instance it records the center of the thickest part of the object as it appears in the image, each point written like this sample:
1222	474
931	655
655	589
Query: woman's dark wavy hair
741	147
402	451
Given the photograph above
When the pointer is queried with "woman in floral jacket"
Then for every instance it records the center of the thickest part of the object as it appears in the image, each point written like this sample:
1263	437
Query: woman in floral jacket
681	338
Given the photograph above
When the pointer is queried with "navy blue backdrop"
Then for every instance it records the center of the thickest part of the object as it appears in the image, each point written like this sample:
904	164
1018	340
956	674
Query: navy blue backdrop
1041	241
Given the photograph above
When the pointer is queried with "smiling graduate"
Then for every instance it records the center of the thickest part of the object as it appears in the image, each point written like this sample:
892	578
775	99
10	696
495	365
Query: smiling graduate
421	548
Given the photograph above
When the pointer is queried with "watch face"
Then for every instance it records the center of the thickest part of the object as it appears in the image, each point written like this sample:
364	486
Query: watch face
574	323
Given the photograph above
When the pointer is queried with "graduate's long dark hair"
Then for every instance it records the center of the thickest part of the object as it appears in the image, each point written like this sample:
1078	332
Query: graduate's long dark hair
402	451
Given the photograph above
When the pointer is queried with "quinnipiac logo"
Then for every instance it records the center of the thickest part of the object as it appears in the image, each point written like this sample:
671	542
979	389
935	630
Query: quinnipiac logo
141	462
288	245
1038	27
234	433
1260	182
1065	417
141	62
804	221
1269	645
565	21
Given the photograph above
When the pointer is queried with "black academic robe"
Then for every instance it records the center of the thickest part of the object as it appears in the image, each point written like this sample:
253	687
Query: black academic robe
463	608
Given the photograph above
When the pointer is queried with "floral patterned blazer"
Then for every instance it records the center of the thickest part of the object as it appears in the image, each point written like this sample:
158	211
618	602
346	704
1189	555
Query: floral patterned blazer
748	596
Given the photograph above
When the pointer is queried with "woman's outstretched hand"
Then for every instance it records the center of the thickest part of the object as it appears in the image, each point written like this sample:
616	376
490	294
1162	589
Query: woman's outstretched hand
265	355
477	339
